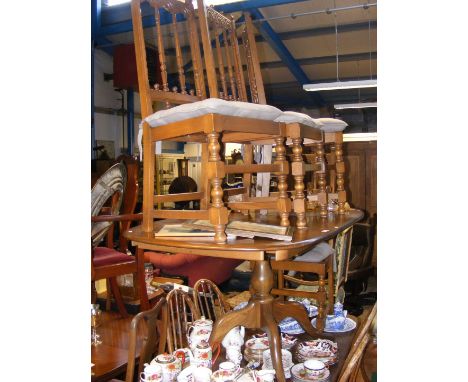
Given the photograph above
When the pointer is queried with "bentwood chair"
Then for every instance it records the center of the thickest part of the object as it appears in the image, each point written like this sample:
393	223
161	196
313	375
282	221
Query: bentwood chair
181	313
352	365
230	115
155	322
209	300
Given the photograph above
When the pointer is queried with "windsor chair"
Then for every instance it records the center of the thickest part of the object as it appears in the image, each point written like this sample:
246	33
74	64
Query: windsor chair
181	313
209	299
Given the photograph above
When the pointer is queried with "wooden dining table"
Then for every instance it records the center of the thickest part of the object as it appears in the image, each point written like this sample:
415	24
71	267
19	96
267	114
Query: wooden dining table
263	311
111	356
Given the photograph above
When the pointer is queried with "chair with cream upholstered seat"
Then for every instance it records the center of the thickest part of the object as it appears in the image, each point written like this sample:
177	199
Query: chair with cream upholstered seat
236	113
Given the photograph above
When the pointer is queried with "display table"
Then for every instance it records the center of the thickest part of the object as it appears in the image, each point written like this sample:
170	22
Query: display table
262	311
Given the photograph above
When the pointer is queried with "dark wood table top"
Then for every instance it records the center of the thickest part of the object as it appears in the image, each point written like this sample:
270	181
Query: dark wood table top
111	356
318	229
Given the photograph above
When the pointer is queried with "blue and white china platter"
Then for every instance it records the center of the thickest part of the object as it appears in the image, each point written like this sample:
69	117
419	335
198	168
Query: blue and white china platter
348	326
290	326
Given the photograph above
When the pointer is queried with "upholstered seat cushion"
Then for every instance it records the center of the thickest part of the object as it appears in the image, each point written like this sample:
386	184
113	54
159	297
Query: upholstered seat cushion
213	106
317	254
294	117
107	256
208	106
331	125
194	267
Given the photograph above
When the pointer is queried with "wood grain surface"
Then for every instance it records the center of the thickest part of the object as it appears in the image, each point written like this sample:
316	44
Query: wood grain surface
317	230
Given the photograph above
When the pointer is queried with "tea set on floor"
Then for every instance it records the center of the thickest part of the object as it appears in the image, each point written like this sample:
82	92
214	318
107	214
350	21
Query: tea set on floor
194	364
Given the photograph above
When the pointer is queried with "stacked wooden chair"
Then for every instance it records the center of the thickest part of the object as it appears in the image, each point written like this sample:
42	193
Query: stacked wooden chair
235	111
328	167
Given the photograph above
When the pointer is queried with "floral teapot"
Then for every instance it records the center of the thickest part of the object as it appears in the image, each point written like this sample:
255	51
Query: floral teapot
199	331
235	337
170	364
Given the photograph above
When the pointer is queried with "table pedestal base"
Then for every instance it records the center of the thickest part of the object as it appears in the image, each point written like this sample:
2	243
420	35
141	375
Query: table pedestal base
265	312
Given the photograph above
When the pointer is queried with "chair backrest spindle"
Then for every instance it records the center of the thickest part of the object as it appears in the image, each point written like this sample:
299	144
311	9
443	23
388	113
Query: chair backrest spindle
182	312
209	300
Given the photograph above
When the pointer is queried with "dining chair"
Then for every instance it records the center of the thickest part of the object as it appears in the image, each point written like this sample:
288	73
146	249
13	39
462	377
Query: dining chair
329	263
209	300
319	261
342	245
352	364
181	313
153	323
108	262
235	112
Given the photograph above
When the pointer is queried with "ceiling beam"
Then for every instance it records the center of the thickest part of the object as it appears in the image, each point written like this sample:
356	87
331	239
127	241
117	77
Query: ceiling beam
282	51
252	4
117	19
322	60
323	31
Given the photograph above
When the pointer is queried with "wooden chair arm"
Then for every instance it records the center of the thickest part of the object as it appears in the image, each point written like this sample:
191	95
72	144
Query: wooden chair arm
116	218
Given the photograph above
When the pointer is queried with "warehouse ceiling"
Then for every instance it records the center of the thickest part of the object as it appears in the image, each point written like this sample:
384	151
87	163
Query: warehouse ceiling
298	42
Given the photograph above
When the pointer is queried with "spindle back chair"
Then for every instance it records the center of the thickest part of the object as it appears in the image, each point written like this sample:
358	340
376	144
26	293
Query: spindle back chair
240	123
181	313
168	40
209	299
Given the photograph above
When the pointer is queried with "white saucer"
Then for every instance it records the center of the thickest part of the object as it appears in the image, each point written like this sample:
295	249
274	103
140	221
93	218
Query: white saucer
298	374
349	325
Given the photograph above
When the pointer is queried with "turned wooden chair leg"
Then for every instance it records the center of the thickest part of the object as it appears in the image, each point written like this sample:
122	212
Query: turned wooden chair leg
298	171
322	182
321	304
247	178
218	212
284	203
340	171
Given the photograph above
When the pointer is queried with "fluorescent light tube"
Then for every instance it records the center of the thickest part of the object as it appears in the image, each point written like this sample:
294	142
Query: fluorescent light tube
359	137
360	105
340	85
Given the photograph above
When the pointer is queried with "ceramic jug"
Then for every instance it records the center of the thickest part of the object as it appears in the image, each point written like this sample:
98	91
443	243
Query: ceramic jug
235	337
199	331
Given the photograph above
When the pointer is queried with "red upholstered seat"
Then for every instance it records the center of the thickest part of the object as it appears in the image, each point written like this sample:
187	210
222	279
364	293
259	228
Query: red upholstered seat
194	267
108	256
